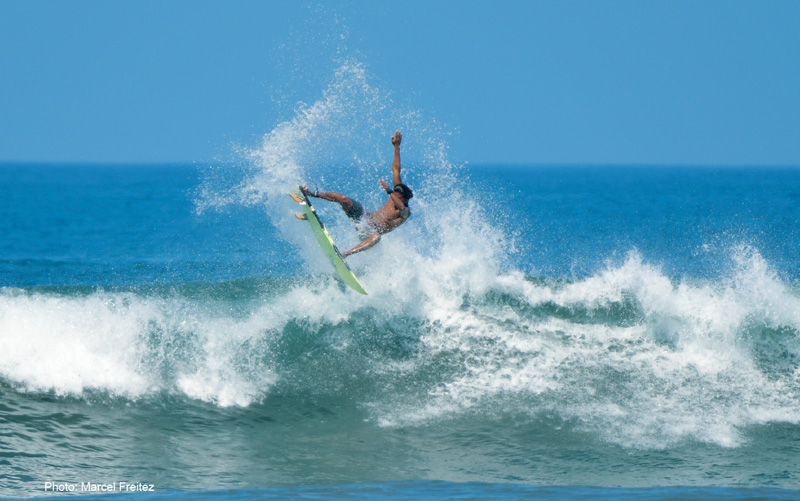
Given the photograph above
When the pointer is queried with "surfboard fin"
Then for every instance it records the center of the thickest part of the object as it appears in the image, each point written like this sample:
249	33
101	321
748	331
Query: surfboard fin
301	216
297	198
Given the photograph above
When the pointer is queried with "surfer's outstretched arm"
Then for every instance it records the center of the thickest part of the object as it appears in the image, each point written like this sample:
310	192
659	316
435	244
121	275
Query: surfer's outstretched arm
398	137
366	244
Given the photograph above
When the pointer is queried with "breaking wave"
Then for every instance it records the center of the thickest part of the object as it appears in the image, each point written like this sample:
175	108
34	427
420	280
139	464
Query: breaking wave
451	328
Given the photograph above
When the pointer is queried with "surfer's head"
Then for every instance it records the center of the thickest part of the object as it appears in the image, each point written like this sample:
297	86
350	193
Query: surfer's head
404	191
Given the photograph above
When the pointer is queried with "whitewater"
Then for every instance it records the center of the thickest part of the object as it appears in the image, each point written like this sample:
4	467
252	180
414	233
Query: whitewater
607	326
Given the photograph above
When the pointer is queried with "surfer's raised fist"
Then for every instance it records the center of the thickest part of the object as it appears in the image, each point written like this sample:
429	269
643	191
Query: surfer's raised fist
397	138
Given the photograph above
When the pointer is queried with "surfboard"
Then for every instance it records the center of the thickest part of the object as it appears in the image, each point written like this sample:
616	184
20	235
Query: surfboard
326	243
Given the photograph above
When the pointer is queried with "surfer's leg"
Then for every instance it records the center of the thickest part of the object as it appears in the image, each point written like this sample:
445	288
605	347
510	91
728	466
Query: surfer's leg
349	206
346	202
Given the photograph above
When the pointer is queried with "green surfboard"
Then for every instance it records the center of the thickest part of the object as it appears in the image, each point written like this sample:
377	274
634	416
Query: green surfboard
327	245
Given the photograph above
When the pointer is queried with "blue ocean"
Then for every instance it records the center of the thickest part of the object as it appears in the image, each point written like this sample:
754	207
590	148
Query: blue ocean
533	331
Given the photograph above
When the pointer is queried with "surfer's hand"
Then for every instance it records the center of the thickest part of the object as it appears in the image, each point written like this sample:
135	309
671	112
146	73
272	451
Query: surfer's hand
398	136
385	185
305	190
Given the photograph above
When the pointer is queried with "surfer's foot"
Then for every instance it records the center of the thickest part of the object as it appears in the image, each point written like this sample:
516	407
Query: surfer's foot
301	216
296	198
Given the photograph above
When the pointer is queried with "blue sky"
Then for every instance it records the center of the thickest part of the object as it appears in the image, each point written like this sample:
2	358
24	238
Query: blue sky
601	82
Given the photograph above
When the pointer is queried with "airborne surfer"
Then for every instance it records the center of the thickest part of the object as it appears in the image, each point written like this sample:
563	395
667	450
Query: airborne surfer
374	224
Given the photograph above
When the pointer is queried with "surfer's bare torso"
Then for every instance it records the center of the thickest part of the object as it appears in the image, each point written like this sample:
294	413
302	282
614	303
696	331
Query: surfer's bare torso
393	213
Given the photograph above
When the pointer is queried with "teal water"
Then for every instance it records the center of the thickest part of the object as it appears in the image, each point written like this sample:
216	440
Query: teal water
619	373
571	332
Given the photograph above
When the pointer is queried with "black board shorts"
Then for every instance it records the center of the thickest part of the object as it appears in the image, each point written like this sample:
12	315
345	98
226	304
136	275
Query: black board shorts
358	216
356	212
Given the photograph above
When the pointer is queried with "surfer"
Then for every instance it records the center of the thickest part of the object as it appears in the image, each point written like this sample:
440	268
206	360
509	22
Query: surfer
374	224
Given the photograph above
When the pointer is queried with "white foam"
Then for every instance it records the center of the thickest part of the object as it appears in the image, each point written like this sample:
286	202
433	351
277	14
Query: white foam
71	344
126	345
682	367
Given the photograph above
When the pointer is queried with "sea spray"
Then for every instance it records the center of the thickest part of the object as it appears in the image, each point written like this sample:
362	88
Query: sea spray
341	143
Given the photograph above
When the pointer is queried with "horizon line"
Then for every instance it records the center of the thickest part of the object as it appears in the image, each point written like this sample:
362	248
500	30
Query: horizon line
467	164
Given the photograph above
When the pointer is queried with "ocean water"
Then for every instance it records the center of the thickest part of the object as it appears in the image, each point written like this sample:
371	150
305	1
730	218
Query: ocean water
562	332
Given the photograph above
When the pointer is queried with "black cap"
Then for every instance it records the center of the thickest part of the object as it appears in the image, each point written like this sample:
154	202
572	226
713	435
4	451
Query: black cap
404	190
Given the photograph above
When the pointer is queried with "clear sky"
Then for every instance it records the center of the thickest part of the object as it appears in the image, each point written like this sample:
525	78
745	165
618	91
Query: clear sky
656	82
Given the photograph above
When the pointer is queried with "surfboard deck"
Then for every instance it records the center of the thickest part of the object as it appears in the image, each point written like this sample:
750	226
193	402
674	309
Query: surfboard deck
326	243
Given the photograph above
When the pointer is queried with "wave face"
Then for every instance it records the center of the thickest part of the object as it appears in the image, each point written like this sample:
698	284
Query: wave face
523	317
626	354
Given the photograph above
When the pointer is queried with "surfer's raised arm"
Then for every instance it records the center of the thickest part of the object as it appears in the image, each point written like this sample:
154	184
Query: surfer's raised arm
398	137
